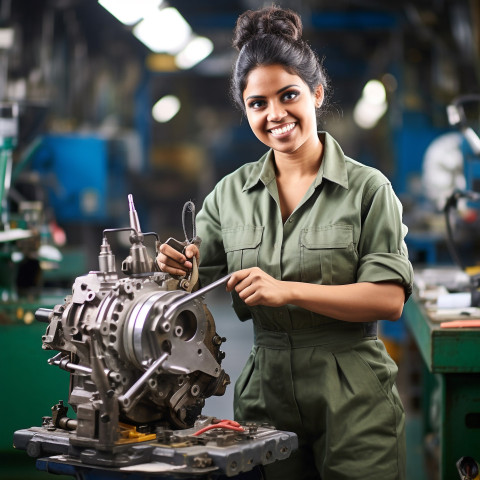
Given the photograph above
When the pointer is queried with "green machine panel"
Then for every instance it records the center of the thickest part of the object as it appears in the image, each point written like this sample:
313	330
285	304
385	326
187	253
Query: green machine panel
29	385
451	388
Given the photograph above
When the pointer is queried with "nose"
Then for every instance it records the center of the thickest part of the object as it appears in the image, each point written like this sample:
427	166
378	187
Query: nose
276	112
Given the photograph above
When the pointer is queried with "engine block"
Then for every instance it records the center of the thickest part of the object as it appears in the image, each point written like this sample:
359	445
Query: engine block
140	349
143	354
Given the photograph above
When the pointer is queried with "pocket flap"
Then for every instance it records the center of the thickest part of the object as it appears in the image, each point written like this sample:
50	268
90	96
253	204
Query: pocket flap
329	236
242	237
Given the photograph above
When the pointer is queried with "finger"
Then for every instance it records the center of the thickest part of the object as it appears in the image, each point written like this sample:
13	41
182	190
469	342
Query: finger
173	254
170	268
168	265
190	252
244	284
245	292
236	277
169	262
252	297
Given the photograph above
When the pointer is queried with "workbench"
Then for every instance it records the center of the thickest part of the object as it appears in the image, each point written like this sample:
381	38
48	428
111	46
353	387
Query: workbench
451	387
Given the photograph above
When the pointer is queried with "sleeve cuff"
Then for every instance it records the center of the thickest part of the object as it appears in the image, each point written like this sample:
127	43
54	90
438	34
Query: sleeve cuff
387	267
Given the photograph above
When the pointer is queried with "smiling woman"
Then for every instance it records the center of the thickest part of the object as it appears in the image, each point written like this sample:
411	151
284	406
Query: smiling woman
280	109
315	244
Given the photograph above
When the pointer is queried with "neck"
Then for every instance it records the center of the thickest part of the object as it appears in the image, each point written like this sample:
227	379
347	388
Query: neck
301	163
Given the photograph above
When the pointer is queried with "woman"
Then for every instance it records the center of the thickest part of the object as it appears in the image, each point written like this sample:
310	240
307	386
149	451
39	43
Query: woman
315	242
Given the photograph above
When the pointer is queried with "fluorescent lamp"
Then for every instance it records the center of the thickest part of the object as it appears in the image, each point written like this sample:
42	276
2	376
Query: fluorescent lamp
196	50
166	108
164	31
130	12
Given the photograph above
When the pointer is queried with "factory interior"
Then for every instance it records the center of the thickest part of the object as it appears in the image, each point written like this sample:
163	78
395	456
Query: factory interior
116	118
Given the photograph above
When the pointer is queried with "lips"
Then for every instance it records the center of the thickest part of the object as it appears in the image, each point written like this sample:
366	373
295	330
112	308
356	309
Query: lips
283	129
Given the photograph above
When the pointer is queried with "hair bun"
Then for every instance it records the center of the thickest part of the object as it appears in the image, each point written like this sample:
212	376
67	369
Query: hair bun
267	21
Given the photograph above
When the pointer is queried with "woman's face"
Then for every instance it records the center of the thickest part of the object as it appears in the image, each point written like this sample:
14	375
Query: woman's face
281	108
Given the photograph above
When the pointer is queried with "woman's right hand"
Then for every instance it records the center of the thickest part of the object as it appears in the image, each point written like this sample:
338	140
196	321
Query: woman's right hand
174	262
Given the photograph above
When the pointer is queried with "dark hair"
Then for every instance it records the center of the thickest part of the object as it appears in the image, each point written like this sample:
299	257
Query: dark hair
271	36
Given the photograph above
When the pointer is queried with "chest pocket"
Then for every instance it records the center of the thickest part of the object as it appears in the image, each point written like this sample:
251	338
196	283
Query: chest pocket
328	255
241	245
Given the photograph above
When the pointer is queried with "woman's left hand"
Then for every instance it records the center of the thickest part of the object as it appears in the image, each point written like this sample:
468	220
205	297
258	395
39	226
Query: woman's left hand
255	287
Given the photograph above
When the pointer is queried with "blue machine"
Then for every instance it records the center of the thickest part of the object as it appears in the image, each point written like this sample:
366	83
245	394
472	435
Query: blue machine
85	176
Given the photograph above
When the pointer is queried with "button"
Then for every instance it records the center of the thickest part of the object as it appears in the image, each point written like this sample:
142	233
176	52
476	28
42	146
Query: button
291	220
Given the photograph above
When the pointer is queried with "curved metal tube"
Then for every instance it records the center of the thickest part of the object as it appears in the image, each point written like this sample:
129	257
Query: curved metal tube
189	298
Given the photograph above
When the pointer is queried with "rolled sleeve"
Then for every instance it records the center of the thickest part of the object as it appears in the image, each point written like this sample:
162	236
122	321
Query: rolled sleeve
382	250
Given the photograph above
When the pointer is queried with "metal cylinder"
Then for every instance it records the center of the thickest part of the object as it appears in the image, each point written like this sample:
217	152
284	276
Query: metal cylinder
106	259
43	315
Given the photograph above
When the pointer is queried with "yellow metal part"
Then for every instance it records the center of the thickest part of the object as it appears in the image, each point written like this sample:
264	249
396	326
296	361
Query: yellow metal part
473	270
129	434
176	445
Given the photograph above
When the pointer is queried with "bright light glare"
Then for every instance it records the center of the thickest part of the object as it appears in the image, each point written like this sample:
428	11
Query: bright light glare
374	92
7	36
130	12
371	106
367	115
196	50
166	108
164	31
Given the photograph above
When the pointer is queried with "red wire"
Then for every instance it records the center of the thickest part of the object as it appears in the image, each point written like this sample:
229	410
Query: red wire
224	424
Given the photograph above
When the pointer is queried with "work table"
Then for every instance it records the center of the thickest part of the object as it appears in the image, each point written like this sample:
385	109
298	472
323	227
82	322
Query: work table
451	383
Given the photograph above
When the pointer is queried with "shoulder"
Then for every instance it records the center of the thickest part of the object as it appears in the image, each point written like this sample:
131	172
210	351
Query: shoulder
235	181
375	189
367	180
347	172
364	175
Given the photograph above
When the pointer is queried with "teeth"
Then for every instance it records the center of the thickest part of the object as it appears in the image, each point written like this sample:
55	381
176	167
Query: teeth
285	129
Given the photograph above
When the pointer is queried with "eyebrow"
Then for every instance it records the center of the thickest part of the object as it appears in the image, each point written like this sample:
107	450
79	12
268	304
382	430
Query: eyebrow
276	93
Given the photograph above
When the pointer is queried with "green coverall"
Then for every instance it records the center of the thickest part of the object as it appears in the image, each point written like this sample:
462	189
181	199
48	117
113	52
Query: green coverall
330	382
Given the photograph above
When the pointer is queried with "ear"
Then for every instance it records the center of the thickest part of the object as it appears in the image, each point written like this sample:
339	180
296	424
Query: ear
318	96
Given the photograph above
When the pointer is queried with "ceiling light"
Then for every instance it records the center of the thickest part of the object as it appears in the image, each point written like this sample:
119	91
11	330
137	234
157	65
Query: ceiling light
164	31
367	115
371	106
196	50
374	92
166	108
130	12
7	36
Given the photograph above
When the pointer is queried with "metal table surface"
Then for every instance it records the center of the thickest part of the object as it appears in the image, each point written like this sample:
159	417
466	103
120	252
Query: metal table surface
451	389
444	350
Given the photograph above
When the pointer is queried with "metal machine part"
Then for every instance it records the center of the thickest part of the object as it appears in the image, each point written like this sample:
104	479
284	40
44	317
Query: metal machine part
457	118
143	355
203	451
139	348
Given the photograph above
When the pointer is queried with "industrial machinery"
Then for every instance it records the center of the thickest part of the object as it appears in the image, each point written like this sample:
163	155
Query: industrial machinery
143	355
27	248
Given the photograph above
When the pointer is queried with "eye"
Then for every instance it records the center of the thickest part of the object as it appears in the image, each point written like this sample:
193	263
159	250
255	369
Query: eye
256	104
290	95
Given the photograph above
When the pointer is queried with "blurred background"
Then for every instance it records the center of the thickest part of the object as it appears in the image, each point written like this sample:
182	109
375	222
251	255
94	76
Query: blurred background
100	100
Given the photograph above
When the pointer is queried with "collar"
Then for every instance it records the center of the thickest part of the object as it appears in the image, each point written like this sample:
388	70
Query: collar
333	167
